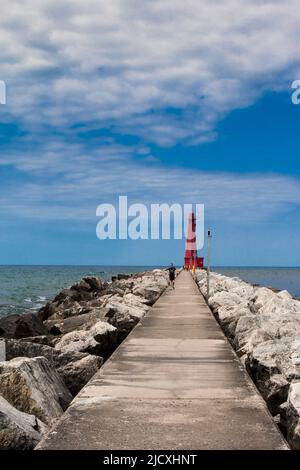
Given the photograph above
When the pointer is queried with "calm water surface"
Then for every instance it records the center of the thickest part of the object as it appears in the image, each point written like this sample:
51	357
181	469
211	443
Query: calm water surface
27	288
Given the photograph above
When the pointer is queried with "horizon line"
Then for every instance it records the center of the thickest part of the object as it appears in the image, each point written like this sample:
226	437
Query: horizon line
142	266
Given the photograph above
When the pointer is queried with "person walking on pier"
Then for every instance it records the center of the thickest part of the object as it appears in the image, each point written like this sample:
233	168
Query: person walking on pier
172	274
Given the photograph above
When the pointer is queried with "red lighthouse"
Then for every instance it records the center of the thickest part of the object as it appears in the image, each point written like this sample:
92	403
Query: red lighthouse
191	259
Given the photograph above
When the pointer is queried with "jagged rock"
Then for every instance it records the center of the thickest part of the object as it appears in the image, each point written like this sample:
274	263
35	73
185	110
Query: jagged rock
136	300
266	359
18	430
76	374
279	318
150	292
226	300
112	291
66	294
99	340
47	311
284	294
35	387
95	283
277	388
74	300
233	313
228	318
156	272
21	326
123	276
82	285
122	316
263	324
295	352
118	287
75	368
283	417
274	390
266	363
78	322
67	302
260	297
68	308
56	358
243	290
245	327
293	416
46	340
64	308
230	283
249	339
97	302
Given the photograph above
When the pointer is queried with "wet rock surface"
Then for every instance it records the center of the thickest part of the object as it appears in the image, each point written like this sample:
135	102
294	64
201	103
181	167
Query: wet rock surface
51	354
263	326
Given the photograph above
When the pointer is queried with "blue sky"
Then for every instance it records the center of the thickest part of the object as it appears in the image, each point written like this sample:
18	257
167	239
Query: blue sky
163	102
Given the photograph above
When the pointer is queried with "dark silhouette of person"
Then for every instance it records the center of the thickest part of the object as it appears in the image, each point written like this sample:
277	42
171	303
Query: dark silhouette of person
172	274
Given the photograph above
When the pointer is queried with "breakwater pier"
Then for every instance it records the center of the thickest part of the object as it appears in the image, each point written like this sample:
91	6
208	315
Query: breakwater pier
174	383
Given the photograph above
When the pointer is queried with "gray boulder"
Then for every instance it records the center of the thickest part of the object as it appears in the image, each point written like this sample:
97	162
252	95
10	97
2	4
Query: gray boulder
76	374
66	303
226	300
95	283
56	358
84	321
46	340
248	339
280	318
100	340
245	328
228	317
18	430
150	289
70	365
243	290
21	326
272	370
284	294
260	297
124	317
47	310
136	301
33	386
293	415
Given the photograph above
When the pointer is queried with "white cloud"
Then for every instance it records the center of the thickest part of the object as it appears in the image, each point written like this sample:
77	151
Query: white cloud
122	63
68	184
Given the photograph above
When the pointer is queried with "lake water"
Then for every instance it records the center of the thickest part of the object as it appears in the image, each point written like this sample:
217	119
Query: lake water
26	288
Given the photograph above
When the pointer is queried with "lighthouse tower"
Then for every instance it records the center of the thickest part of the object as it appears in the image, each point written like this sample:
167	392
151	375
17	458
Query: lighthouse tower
191	259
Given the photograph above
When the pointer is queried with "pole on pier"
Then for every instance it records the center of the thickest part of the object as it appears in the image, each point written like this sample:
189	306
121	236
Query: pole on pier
208	247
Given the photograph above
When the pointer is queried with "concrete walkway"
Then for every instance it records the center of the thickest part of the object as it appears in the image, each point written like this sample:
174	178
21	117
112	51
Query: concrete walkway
174	383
